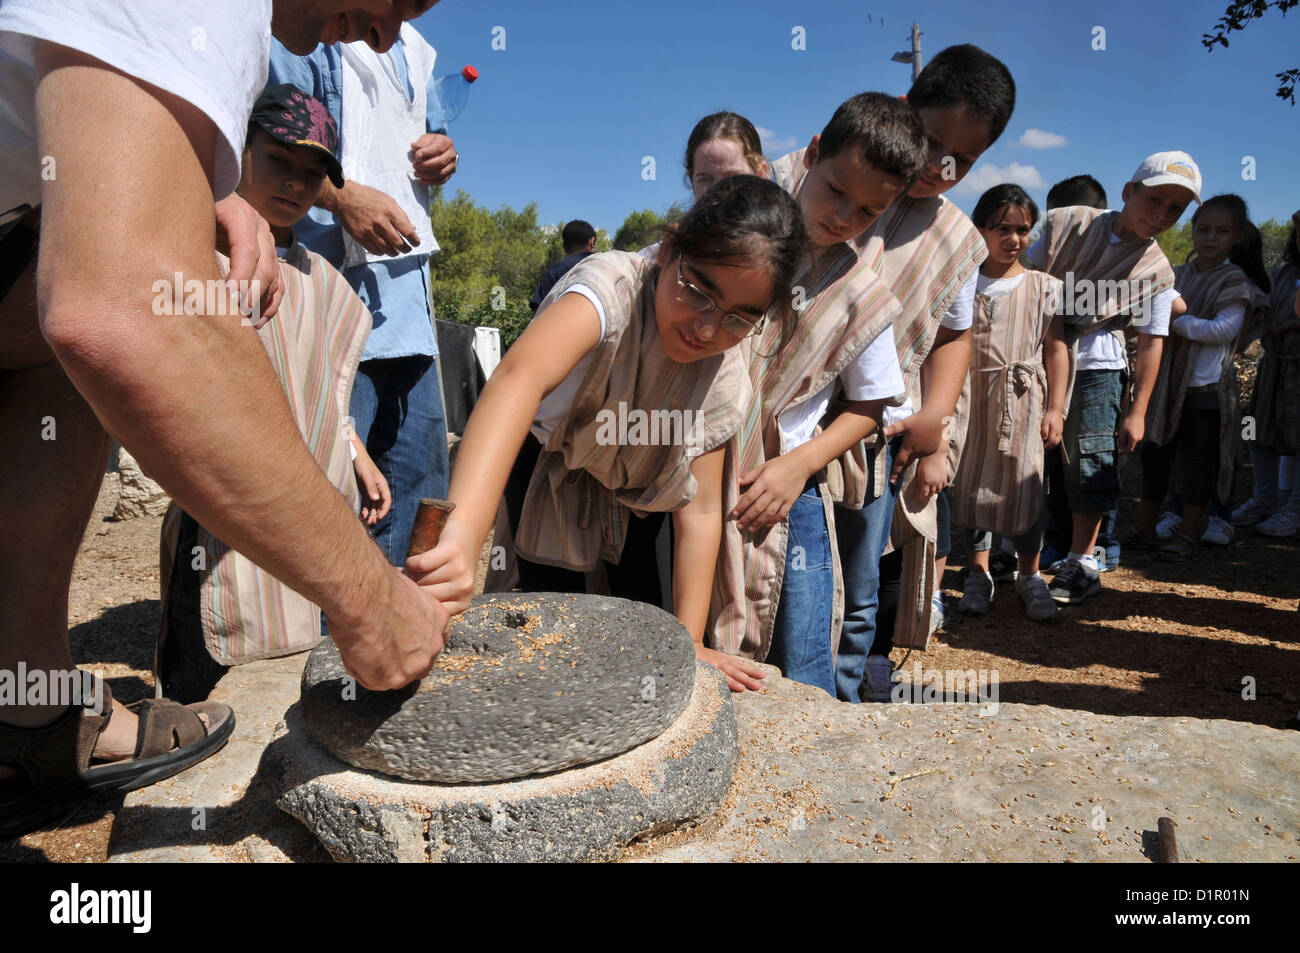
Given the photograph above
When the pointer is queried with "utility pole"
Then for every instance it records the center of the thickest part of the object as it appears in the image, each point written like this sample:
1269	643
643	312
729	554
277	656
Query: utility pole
913	57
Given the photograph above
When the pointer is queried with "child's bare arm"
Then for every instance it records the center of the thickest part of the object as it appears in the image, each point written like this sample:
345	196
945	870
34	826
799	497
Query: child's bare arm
775	484
942	376
376	496
698	536
544	354
1133	427
1056	360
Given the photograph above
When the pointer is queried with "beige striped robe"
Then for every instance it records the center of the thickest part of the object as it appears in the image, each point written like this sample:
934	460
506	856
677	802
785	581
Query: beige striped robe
847	307
999	481
925	250
1277	384
1206	293
585	486
314	344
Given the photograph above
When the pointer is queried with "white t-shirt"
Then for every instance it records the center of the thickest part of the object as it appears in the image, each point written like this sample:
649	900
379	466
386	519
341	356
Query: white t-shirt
1105	350
555	406
958	317
213	56
996	287
875	375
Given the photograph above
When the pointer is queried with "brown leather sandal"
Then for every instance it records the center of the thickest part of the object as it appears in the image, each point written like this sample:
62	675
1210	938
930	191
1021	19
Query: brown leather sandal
54	767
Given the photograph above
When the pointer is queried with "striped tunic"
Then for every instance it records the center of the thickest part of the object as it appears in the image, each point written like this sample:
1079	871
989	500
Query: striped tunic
314	344
1206	293
925	250
847	307
1277	384
593	472
999	481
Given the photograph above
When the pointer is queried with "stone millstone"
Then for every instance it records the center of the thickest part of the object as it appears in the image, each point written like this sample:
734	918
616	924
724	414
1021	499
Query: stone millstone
586	813
529	684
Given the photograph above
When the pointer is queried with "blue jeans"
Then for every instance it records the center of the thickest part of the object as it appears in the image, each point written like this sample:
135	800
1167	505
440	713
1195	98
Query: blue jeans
398	415
801	640
862	536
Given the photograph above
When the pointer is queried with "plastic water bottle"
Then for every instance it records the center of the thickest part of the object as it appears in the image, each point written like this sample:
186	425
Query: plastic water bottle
447	98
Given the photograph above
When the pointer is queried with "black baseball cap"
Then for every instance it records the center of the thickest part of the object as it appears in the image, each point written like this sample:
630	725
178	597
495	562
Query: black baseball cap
288	114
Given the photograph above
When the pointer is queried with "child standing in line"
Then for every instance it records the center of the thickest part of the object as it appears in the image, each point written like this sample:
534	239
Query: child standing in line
1192	419
230	610
779	595
1116	277
1013	404
928	253
619	337
1277	403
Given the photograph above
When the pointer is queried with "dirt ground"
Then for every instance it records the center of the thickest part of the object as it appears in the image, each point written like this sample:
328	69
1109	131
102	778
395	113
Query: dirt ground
1216	637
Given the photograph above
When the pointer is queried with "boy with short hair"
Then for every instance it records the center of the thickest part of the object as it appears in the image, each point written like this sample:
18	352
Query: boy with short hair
929	253
778	589
1116	278
231	610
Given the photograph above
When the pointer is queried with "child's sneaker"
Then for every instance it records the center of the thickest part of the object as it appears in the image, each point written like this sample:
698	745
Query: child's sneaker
1281	525
978	592
1051	560
1074	583
1219	532
1250	513
1039	604
1003	566
1168	525
878	685
938	612
1103	560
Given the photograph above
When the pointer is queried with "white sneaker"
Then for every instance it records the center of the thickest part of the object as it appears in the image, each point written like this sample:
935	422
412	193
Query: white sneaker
1219	532
1250	513
1168	525
1282	525
878	685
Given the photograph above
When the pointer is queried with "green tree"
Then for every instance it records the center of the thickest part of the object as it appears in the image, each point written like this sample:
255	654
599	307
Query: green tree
1274	234
643	228
1237	17
1176	243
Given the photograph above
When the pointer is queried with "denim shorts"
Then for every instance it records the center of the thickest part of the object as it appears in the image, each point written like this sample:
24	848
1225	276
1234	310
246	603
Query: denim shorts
1091	476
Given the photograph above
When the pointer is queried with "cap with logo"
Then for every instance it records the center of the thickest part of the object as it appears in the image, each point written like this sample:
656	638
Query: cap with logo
295	118
1170	168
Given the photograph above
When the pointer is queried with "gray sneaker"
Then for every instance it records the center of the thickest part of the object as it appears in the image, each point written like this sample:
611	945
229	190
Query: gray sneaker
978	592
1075	583
1039	604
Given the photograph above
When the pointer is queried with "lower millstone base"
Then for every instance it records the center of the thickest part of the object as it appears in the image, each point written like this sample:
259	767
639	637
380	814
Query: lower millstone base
587	813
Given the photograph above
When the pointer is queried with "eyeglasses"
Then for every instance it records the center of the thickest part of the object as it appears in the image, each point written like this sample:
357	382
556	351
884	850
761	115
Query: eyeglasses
701	303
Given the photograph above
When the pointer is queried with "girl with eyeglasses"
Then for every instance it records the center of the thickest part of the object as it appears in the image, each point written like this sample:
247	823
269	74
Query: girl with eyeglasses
614	408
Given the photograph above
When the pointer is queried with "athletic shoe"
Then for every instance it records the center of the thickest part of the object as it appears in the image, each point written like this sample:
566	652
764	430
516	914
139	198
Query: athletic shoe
1003	566
1051	560
978	592
1075	583
938	612
1250	513
1168	525
1281	525
1219	532
1103	559
878	685
1039	604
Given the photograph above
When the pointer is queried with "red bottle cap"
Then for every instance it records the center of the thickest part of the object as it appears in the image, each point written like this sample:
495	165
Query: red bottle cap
470	74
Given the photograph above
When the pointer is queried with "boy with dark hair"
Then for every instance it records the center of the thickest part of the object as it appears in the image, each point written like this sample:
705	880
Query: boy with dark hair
1116	277
929	253
778	593
579	240
1076	190
231	610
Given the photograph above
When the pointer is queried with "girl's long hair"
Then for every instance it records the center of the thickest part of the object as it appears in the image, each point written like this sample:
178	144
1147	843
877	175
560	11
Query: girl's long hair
1248	253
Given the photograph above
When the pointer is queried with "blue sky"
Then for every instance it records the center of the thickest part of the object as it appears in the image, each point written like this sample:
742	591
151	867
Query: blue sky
582	92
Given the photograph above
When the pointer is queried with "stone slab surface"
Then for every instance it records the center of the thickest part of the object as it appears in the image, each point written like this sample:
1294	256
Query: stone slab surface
1018	783
529	684
584	813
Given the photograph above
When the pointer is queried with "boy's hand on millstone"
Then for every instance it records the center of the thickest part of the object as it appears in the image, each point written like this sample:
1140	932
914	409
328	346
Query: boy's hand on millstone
397	641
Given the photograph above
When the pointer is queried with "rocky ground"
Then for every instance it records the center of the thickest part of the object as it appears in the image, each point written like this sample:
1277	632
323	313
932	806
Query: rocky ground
1214	638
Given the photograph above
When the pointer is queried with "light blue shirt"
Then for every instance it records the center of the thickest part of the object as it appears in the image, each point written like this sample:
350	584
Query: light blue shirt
395	291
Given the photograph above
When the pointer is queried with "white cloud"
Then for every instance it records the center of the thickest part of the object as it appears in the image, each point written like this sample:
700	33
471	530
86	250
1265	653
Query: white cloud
985	177
1038	139
772	144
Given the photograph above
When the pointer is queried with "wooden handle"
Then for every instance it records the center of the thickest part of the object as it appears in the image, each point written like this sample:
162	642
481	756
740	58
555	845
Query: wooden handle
1168	844
430	517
